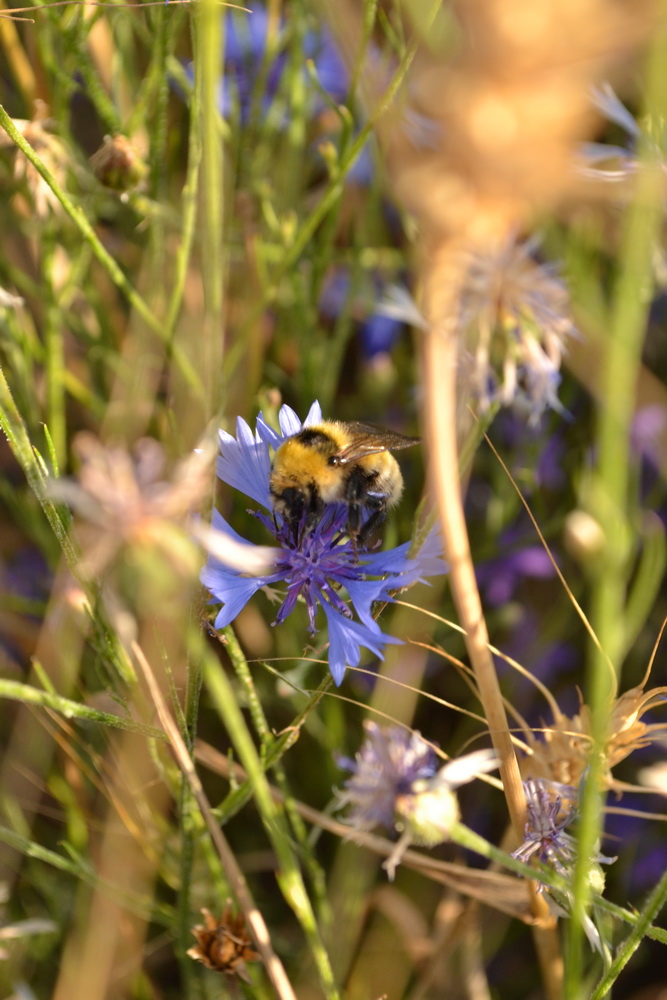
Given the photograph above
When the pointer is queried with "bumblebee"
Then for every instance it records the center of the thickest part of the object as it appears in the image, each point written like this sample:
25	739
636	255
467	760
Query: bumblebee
336	462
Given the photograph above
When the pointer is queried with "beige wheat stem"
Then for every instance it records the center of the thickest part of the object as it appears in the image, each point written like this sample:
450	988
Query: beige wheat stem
440	285
441	279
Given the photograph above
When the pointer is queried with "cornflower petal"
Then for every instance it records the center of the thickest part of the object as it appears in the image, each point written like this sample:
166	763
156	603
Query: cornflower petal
244	463
228	584
346	638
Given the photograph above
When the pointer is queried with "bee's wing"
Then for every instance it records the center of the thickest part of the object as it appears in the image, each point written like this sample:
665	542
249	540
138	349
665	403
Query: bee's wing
366	439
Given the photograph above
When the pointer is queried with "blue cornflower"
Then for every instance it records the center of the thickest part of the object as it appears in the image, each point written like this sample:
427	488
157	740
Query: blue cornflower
314	564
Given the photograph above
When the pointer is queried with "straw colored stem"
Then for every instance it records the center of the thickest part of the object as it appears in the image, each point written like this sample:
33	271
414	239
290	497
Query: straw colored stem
439	373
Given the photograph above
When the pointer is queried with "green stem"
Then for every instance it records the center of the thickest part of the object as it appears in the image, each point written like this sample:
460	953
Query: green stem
288	873
625	951
610	500
12	424
79	219
261	725
15	691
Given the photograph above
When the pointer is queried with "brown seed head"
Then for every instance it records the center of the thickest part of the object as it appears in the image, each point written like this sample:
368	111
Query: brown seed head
223	945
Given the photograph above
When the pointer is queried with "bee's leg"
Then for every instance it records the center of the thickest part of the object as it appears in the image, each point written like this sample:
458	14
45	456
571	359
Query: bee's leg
293	507
379	507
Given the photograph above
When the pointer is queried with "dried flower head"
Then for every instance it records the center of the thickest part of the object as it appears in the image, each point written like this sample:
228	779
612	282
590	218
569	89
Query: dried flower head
117	165
512	320
124	500
562	751
49	149
395	784
224	945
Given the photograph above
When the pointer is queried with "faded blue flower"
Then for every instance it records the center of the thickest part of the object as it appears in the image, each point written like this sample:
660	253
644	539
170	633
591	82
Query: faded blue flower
551	808
547	819
319	566
387	766
377	330
512	319
395	783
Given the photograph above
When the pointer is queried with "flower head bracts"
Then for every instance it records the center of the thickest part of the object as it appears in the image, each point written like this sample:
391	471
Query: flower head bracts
546	821
314	564
551	808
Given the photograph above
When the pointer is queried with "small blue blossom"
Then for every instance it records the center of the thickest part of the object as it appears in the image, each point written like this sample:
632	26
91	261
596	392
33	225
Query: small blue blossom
551	808
320	566
395	783
378	330
604	161
546	822
387	766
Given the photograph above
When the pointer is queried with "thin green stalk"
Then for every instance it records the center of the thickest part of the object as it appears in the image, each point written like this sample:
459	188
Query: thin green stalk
191	823
54	356
16	691
116	275
238	883
145	908
610	501
189	219
288	873
208	27
238	797
13	426
465	837
263	730
625	951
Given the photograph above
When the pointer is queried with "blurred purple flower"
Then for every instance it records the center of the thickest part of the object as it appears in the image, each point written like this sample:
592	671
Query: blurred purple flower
315	564
377	332
603	161
499	578
395	784
246	38
647	433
